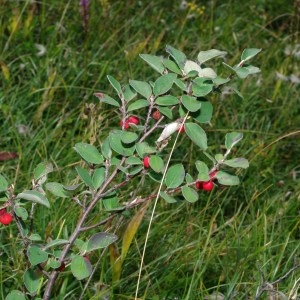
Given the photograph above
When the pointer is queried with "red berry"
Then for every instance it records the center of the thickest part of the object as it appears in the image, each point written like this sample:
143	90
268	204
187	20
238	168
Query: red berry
199	185
2	211
208	185
6	218
126	125
146	162
133	119
181	128
213	174
156	115
62	267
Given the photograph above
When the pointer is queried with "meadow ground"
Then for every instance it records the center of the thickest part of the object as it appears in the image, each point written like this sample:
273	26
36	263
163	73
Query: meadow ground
232	241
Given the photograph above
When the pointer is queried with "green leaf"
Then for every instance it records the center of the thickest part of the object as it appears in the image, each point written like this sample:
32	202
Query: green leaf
128	137
227	179
204	56
188	178
203	171
133	160
196	134
189	194
143	88
163	84
232	138
110	202
15	295
219	157
98	177
53	263
156	163
21	212
154	61
175	176
35	237
89	153
190	103
180	84
166	111
201	87
81	267
3	184
32	280
252	69
190	66
249	53
34	196
205	113
36	255
167	100
135	170
242	72
57	242
85	176
115	84
207	73
138	104
42	169
107	99
105	149
129	94
57	189
170	65
117	145
157	177
177	55
143	149
167	197
238	162
220	81
100	240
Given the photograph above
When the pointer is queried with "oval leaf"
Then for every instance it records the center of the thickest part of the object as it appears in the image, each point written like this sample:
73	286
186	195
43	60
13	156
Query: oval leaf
163	84
167	197
42	169
57	189
107	99
177	55
34	196
81	267
227	179
203	170
189	194
204	56
115	84
89	153
249	53
156	163
3	184
232	139
190	103
205	113
238	162
36	255
98	177
85	176
100	240
55	243
154	61
196	134
21	212
15	295
116	145
143	88
167	100
175	176
127	137
138	104
32	280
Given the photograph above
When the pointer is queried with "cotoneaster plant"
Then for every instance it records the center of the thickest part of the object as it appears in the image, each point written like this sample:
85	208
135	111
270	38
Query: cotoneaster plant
151	116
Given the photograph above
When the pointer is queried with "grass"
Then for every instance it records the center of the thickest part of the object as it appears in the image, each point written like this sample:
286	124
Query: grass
218	244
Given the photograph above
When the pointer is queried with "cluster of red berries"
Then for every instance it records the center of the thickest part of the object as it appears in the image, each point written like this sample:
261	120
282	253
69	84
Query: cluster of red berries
5	217
206	185
130	120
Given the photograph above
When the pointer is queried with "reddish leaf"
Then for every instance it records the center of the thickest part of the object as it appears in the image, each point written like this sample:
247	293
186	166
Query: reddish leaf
8	155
